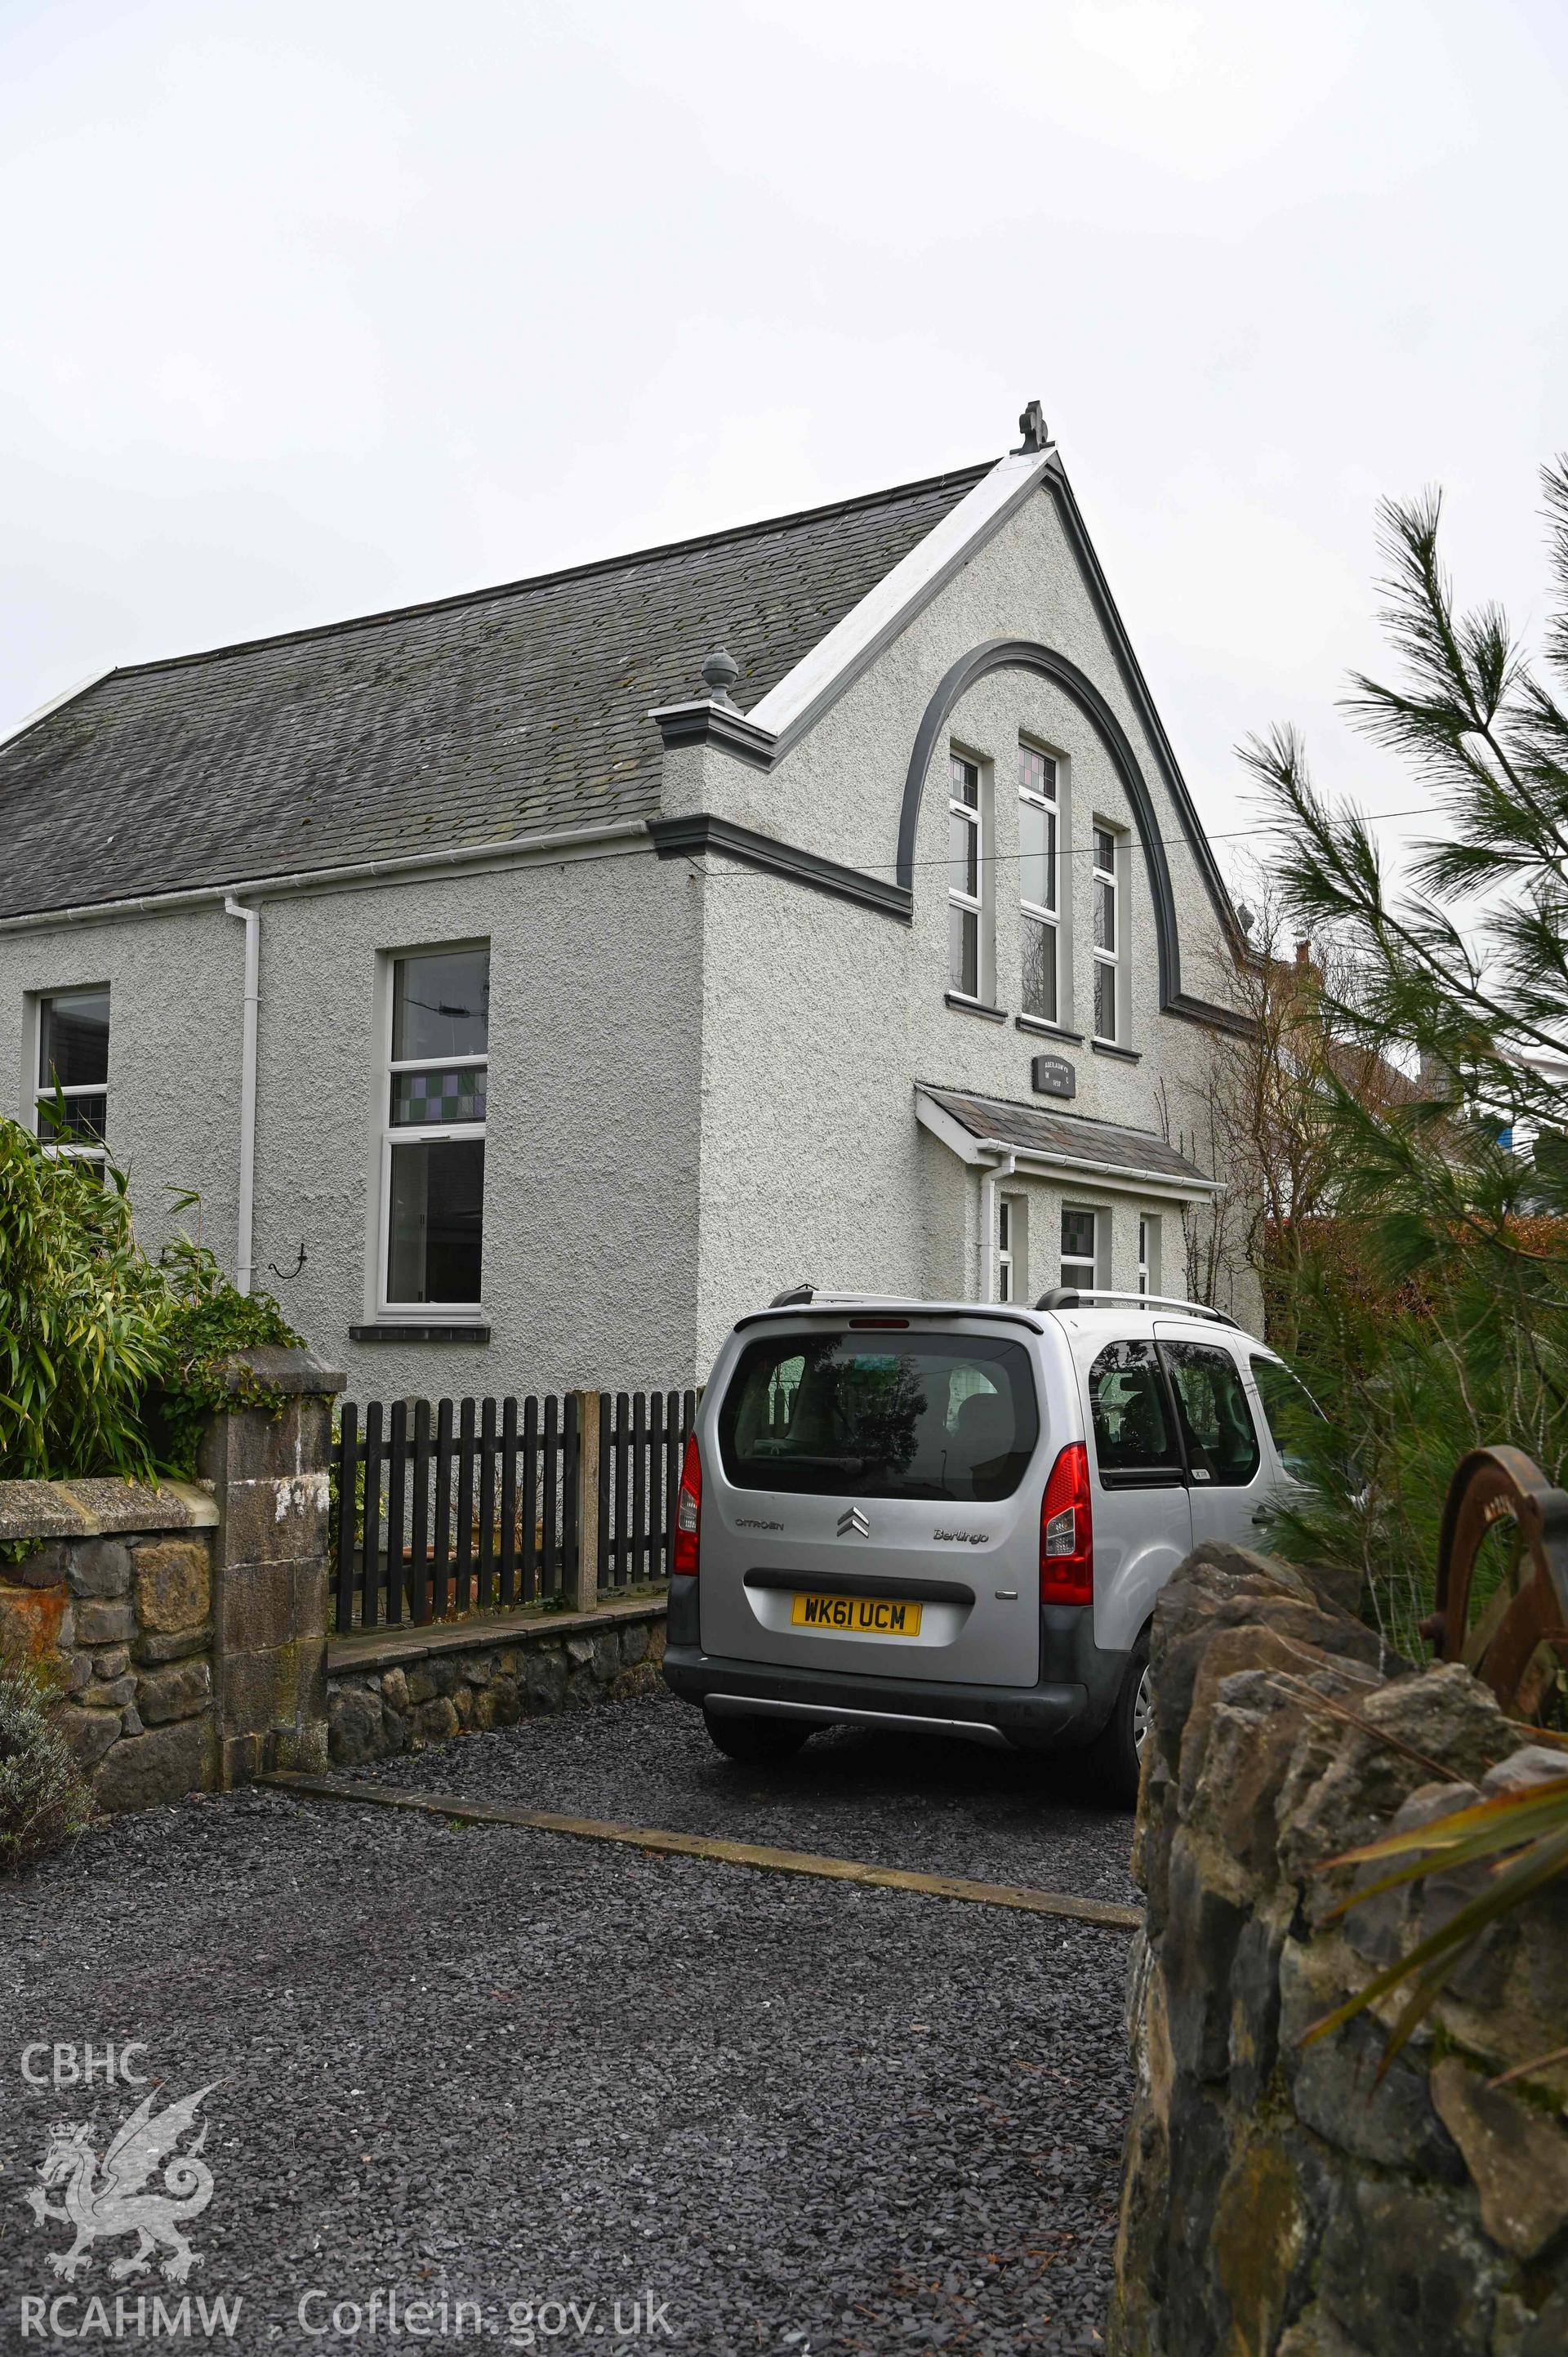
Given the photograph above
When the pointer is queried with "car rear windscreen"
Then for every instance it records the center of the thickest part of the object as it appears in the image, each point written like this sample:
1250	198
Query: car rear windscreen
939	1416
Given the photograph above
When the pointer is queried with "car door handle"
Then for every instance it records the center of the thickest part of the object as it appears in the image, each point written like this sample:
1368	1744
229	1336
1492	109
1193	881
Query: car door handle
1259	1520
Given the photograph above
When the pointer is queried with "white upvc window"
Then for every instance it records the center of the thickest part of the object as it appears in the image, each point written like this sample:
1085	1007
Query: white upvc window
1004	1283
1107	888
73	1065
433	1136
1038	918
1148	1253
1080	1247
965	877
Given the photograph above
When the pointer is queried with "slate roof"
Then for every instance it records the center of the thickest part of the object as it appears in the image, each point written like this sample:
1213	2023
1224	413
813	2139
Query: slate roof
1035	1131
482	718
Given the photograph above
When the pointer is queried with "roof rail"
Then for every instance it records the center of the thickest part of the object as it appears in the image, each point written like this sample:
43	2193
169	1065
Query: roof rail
794	1297
1073	1297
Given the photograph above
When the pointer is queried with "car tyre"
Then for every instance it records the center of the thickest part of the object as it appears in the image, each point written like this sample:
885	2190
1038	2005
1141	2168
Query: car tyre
755	1742
1115	1757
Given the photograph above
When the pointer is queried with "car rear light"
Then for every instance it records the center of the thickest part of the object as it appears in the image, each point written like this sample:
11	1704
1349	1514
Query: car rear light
688	1514
1067	1531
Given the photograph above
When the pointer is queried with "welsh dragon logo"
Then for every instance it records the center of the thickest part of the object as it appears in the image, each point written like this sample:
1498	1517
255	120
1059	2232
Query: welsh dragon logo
109	2198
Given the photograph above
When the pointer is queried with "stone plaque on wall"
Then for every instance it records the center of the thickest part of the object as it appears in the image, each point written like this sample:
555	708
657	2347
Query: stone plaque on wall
1054	1077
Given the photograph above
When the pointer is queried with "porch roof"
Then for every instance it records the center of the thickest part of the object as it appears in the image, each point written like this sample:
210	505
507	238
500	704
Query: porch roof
1105	1147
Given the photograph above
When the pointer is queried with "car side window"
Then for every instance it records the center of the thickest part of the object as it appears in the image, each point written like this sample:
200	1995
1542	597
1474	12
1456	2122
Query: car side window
1221	1438
1135	1444
1287	1404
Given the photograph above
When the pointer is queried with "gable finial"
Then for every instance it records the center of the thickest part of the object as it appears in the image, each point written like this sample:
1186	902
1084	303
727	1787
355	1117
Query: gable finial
1032	426
719	674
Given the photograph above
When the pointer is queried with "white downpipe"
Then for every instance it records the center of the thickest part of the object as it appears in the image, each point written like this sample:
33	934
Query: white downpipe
252	920
1002	1167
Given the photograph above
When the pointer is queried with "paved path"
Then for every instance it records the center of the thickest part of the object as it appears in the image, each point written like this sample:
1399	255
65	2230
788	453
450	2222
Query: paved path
507	2067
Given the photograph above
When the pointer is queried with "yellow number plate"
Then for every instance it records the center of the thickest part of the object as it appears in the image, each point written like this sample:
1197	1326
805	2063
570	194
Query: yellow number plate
861	1616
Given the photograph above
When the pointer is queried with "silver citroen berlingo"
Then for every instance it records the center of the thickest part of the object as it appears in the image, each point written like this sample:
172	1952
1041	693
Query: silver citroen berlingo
955	1518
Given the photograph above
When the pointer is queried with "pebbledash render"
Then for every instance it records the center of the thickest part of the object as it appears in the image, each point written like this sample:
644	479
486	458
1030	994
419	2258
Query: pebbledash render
532	982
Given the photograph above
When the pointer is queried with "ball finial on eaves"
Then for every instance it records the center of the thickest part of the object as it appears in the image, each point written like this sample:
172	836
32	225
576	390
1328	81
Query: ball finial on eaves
719	674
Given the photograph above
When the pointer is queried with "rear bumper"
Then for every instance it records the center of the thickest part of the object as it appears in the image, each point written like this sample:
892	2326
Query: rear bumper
1066	1710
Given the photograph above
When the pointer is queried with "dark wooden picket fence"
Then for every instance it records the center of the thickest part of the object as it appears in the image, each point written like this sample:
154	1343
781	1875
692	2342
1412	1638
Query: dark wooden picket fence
453	1509
473	1506
643	1436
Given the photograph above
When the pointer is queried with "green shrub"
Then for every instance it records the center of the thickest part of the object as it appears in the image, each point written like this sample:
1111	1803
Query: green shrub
108	1359
210	1320
83	1316
1412	1373
1425	1301
43	1797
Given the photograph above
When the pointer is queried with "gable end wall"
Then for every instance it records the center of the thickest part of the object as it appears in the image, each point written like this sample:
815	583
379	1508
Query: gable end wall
819	1018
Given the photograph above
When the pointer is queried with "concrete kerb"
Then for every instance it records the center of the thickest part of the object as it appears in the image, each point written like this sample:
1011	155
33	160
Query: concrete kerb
1105	1915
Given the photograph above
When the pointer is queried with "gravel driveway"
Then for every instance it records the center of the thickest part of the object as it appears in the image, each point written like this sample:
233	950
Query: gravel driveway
513	2068
940	1808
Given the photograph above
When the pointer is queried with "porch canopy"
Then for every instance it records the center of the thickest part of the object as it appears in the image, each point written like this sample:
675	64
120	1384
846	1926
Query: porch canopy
983	1131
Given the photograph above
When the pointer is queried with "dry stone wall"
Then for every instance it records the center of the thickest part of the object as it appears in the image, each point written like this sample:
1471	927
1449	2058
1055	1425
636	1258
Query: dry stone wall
185	1625
402	1691
118	1602
1282	2199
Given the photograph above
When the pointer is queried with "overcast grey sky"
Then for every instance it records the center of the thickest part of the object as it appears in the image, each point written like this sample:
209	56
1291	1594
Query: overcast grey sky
310	309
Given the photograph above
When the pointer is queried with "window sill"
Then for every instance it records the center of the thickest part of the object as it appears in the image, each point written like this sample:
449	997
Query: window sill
407	1329
1047	1030
1121	1055
962	1005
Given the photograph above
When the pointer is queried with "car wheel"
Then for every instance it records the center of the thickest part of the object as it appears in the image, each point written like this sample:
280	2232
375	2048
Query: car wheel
1116	1753
755	1742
